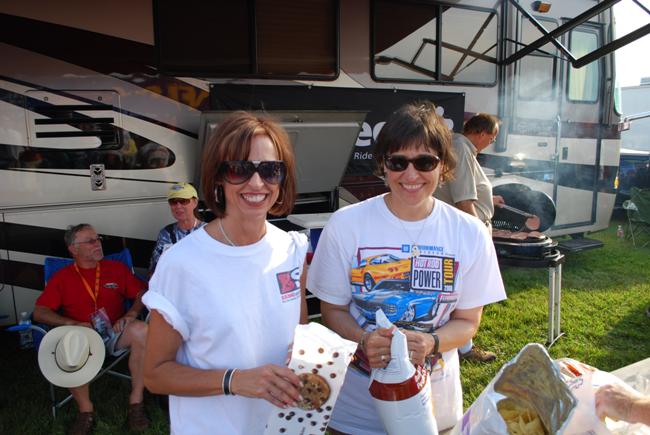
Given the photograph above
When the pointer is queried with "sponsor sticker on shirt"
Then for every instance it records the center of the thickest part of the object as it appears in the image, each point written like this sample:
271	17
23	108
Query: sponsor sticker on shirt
289	284
112	285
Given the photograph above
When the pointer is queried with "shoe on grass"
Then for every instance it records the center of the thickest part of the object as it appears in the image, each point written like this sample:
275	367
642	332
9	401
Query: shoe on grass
137	418
476	354
83	424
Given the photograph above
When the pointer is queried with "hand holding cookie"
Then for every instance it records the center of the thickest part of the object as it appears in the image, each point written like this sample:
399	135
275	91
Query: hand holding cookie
320	359
278	385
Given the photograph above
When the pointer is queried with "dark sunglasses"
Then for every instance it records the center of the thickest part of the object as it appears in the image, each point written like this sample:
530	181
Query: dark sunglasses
182	201
240	171
424	163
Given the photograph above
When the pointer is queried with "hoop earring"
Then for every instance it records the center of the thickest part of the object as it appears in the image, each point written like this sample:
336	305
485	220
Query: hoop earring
279	201
218	194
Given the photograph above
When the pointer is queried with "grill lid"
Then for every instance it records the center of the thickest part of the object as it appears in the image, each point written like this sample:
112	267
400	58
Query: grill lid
523	198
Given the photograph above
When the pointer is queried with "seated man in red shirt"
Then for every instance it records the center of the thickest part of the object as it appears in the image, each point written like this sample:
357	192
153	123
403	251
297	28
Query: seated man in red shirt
94	289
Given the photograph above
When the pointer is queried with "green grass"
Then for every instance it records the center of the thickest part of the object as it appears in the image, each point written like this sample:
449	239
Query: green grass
605	293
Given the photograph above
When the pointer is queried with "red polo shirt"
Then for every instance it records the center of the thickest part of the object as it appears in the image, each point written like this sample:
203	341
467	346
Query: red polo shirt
65	291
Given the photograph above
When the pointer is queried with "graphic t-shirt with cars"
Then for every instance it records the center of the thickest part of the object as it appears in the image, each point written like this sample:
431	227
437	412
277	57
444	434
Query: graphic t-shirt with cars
366	259
409	290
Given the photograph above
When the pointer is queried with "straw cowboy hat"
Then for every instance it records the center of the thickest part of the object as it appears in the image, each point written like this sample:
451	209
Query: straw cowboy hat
71	356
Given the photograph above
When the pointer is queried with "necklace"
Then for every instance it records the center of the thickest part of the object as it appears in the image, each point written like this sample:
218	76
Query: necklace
224	233
415	250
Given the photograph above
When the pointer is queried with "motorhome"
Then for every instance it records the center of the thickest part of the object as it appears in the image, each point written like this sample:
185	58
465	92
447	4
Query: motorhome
104	104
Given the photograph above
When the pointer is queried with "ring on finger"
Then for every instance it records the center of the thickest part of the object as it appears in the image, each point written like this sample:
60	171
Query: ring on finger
383	358
410	354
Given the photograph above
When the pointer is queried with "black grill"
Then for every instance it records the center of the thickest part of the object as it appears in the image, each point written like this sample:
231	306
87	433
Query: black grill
531	247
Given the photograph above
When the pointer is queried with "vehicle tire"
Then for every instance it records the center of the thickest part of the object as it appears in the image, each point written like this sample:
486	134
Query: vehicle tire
368	282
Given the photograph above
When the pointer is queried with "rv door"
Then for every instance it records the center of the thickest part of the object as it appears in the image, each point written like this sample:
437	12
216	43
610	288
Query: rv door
581	135
555	134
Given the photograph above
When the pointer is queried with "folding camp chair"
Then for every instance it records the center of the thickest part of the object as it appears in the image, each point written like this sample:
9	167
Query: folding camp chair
638	215
53	265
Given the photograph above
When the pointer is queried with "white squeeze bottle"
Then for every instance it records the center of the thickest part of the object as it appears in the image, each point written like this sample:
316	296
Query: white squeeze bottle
401	392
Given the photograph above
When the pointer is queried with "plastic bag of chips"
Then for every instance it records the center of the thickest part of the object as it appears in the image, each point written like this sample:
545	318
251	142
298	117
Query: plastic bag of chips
532	394
526	396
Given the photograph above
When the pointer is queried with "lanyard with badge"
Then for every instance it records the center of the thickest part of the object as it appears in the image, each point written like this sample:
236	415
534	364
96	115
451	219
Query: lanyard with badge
99	318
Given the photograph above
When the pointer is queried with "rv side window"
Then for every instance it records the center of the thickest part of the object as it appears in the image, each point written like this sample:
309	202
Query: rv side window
135	152
537	72
73	129
584	82
259	38
405	44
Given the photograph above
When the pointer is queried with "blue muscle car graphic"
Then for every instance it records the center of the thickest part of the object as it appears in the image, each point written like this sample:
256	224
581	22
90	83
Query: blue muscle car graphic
397	301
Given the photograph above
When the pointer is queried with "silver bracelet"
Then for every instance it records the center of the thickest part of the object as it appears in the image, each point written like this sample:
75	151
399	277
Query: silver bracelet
232	375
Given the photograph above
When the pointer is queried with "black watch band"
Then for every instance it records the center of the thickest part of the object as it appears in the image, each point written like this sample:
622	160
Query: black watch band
436	344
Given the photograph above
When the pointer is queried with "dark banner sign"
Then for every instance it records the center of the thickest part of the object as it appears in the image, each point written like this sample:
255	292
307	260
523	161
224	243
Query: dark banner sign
379	103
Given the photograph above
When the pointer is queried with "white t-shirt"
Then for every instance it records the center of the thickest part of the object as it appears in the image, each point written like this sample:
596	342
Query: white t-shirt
234	307
364	259
469	182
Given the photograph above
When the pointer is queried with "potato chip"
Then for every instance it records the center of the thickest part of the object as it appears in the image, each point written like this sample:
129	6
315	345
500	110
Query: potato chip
520	420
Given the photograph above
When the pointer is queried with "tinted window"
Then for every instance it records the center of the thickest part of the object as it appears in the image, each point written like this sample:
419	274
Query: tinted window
248	38
583	82
134	152
536	79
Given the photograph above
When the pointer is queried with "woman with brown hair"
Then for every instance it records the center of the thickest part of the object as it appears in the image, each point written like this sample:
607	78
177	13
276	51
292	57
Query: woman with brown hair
225	300
429	266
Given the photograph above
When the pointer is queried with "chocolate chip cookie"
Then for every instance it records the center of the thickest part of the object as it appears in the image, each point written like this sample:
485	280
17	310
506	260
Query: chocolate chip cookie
315	391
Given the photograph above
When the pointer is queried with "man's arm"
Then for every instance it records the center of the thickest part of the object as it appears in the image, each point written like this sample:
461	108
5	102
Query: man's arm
48	316
467	206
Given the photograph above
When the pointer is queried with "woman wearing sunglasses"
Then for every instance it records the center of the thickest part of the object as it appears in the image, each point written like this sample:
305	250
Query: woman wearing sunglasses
183	200
225	301
429	266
